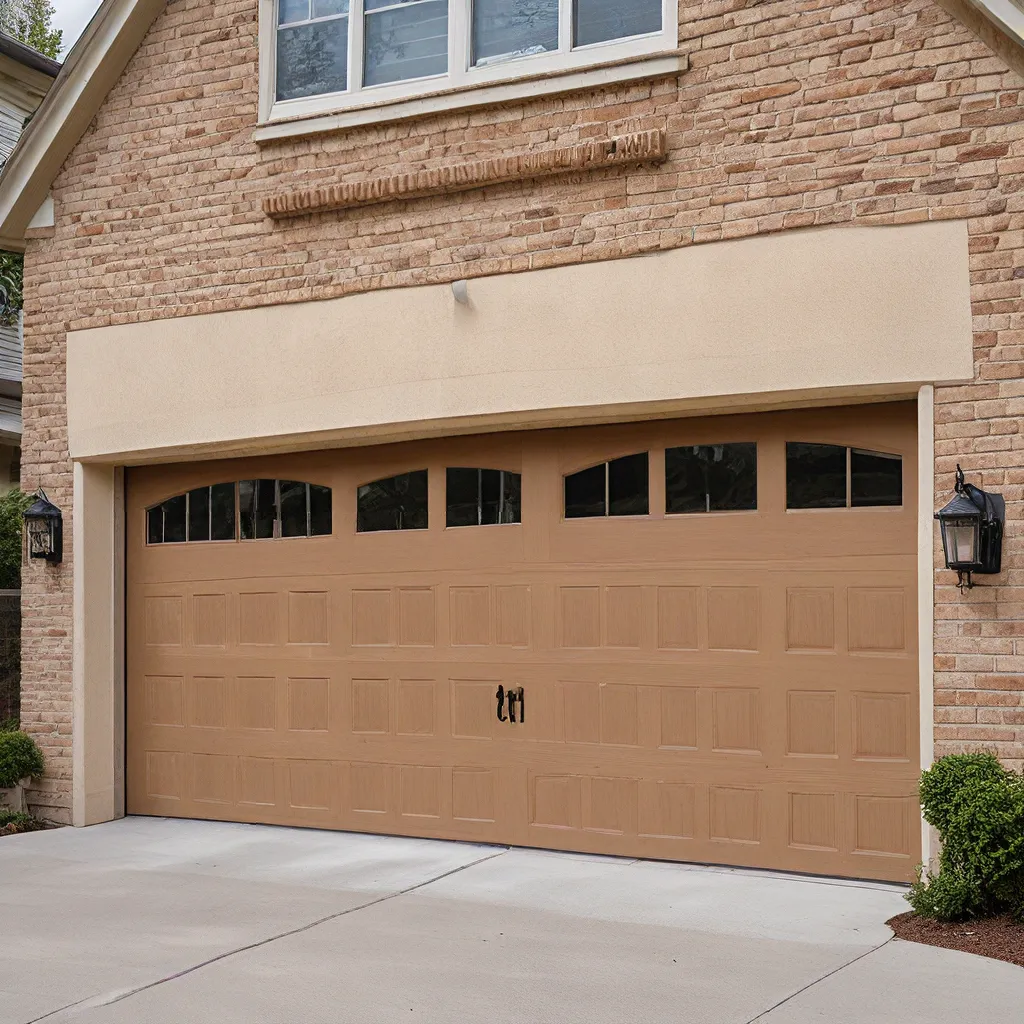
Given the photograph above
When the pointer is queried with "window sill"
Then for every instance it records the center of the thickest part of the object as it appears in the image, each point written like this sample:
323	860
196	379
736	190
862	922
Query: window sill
665	64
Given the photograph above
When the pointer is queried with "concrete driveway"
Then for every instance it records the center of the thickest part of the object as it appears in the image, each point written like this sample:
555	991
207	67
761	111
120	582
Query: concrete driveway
165	922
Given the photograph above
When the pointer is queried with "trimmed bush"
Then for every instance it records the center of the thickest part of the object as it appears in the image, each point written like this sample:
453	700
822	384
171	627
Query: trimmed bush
20	758
977	807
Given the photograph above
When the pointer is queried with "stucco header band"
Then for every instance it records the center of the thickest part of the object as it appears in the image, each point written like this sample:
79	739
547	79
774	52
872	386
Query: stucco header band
840	311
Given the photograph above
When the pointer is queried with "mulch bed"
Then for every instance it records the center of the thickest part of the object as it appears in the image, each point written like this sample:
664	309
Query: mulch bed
1000	938
17	827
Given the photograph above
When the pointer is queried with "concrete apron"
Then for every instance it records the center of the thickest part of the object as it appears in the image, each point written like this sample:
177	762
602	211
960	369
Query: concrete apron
166	922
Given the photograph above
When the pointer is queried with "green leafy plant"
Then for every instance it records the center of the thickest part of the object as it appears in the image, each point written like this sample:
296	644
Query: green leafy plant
12	507
20	758
977	807
12	271
9	817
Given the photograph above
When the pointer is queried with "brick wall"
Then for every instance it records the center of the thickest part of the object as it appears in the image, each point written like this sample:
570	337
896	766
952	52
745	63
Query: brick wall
793	114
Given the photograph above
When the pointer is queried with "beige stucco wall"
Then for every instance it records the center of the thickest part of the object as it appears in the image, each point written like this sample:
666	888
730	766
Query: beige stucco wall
817	314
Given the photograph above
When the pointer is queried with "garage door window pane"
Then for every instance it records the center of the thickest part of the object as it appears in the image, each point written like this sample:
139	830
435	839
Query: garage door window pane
155	525
222	512
319	510
199	514
174	519
481	497
711	478
597	21
405	39
257	506
627	486
815	475
293	509
585	493
396	503
875	478
506	29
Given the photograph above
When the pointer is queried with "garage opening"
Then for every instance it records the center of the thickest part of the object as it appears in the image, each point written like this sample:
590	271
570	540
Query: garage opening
691	639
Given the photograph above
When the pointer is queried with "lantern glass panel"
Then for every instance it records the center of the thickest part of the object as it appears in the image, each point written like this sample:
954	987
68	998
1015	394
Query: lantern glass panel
960	540
40	544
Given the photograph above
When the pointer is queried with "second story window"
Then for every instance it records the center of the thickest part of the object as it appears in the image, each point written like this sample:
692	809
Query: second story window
337	54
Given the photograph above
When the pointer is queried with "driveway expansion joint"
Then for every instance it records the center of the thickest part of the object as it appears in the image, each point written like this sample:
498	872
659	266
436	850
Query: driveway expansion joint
828	974
93	1001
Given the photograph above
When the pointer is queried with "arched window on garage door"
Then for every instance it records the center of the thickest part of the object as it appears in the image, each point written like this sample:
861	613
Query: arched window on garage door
205	513
482	497
615	488
394	503
283	508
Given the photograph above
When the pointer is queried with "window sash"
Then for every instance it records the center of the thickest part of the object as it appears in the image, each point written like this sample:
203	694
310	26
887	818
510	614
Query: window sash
461	73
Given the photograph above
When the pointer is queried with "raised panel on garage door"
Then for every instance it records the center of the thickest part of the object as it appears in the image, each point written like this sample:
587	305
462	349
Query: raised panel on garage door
696	672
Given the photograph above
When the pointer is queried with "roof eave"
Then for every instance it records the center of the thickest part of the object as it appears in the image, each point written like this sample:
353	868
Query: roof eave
90	71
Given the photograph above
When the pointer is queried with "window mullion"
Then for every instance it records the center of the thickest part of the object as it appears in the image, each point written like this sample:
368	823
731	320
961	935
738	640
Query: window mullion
356	28
460	22
565	25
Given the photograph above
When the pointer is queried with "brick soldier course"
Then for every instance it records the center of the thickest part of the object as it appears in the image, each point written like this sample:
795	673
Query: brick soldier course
790	116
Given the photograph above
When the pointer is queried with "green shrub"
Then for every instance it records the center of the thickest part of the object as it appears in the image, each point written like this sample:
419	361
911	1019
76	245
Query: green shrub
977	807
9	724
20	758
9	817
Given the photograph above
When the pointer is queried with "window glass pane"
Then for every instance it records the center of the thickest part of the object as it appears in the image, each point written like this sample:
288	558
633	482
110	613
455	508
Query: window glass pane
584	493
319	510
155	525
500	496
312	59
686	485
398	503
328	8
732	476
174	519
223	501
506	29
483	497
293	509
875	478
257	508
627	486
462	494
199	514
292	10
510	504
598	20
405	39
815	475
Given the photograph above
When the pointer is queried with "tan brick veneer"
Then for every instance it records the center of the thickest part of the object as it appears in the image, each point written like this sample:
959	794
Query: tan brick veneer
792	115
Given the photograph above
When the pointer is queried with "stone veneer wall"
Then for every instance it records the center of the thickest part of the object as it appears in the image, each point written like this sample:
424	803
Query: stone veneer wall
792	115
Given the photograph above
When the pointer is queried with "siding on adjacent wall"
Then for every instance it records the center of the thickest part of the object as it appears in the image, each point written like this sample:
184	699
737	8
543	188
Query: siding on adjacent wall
792	115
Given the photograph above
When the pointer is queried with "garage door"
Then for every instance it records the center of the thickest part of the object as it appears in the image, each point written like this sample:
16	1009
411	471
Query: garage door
691	639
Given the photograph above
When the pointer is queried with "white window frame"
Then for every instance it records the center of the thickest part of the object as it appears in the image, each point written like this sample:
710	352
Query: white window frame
567	68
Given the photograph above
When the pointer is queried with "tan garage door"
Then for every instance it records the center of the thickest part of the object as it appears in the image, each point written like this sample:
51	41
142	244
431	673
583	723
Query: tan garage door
690	639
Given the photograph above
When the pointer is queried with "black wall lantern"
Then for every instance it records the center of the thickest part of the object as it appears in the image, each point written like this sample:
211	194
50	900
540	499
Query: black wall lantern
972	531
44	525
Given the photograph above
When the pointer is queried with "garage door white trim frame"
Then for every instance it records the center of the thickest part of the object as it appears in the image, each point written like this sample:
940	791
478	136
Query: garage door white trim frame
98	546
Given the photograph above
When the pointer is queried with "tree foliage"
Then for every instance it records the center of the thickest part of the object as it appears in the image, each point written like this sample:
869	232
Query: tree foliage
12	506
29	21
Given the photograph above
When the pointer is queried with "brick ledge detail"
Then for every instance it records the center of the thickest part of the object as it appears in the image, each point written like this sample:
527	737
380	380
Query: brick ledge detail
617	151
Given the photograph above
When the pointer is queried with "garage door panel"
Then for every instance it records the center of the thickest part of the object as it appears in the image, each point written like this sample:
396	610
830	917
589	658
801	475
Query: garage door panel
725	687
